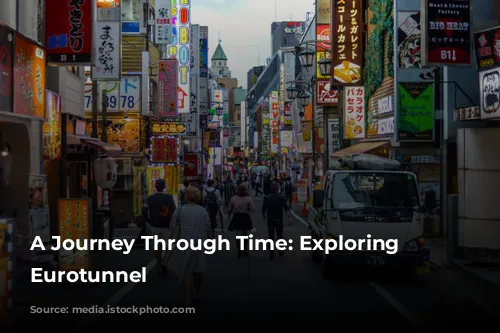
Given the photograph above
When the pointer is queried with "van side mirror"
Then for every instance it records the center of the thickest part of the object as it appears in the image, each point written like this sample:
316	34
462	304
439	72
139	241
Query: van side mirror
318	197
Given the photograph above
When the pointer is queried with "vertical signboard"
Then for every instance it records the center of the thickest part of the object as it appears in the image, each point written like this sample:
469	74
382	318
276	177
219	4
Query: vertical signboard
333	133
6	74
29	78
489	93
354	113
203	51
415	111
179	48
163	11
323	12
409	40
190	118
486	46
446	33
52	127
108	58
275	121
68	32
347	41
326	94
322	47
167	87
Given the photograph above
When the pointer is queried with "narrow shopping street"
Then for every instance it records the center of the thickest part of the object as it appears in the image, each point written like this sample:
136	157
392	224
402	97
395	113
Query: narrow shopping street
285	291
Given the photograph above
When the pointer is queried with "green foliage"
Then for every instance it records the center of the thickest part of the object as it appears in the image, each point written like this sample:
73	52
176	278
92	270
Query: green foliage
374	71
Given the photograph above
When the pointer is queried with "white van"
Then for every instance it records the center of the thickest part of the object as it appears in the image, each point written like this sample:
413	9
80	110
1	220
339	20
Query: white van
367	198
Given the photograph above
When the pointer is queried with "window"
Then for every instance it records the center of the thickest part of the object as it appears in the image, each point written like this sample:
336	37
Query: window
239	117
74	70
131	10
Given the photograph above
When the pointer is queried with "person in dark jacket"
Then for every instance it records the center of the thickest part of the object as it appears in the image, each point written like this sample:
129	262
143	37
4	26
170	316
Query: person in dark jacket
272	209
267	185
158	210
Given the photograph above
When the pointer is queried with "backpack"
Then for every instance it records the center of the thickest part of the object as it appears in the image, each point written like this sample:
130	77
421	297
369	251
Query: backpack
288	189
210	198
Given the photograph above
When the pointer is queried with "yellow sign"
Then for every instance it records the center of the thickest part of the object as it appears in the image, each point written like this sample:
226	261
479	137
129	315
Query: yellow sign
168	128
137	185
154	173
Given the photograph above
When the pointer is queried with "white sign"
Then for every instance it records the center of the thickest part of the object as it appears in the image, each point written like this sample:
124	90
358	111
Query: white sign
325	93
108	65
286	139
354	113
333	136
163	21
180	49
121	95
385	105
385	126
489	89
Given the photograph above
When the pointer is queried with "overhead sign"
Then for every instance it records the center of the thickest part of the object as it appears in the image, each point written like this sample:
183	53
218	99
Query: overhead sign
167	87
168	128
68	32
326	95
163	21
347	41
446	32
486	45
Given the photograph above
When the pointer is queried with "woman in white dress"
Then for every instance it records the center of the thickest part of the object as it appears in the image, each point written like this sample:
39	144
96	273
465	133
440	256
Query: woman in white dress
190	222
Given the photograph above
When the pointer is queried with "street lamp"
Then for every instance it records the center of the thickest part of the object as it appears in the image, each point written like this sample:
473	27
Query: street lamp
304	98
219	110
325	67
292	92
306	57
210	117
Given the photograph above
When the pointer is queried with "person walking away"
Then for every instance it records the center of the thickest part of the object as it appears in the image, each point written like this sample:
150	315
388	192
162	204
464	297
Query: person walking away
192	223
239	210
267	185
182	199
213	202
258	184
273	207
288	191
229	190
158	210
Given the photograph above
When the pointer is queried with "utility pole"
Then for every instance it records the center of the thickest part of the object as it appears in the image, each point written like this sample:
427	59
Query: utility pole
104	94
94	108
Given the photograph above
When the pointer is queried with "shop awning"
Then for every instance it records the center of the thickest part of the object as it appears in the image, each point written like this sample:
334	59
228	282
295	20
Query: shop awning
360	148
104	147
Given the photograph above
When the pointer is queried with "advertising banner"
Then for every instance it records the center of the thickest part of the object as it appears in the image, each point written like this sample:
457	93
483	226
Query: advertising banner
154	173
188	170
289	60
52	127
180	49
172	178
167	88
354	113
68	32
489	91
323	12
108	59
306	130
139	180
275	121
165	150
282	95
322	47
123	95
163	22
74	224
325	94
29	78
286	139
167	128
333	134
487	48
288	118
347	41
203	51
416	111
446	32
409	40
215	155
6	69
123	133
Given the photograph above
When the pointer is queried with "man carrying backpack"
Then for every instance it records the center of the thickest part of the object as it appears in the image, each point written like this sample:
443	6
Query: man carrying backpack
213	202
158	210
288	191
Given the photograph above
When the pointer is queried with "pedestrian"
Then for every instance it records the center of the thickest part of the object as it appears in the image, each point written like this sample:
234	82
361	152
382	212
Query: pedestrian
229	190
273	207
267	185
182	191
239	210
213	202
192	223
258	185
158	210
287	190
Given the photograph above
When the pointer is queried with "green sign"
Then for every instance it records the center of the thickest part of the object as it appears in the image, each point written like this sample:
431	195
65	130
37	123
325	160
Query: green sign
416	111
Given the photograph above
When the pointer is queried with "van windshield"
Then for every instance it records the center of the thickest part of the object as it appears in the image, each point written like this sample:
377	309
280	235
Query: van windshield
375	194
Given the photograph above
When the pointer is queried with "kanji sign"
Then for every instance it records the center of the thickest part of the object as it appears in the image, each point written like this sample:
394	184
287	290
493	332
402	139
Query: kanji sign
347	41
168	128
325	94
354	113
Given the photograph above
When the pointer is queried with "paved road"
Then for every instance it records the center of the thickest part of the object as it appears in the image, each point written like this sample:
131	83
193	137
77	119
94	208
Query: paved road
292	289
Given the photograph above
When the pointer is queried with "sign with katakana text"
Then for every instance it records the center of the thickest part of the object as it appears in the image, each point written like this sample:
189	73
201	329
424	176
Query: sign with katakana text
354	113
168	128
347	41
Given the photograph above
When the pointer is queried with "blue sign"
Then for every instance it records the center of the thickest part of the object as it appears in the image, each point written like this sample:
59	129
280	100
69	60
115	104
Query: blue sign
131	27
203	57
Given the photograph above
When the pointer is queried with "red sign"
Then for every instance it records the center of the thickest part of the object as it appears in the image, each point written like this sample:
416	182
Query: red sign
323	36
164	150
188	170
167	88
326	96
68	32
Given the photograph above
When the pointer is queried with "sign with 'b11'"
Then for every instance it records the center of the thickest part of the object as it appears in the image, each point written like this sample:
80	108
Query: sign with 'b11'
446	38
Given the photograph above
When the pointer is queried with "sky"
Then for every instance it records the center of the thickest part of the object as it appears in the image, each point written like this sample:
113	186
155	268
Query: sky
244	26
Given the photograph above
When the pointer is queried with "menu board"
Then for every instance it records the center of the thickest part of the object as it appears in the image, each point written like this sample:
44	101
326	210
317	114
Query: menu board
73	224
